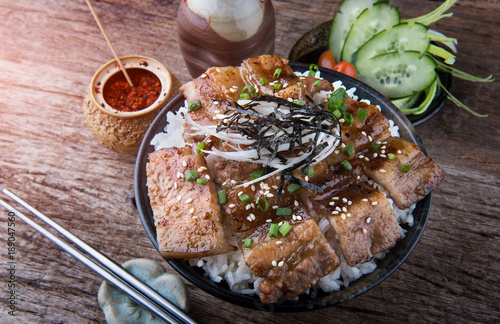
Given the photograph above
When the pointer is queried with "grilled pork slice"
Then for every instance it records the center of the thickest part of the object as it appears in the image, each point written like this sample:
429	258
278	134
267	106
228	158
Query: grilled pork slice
187	215
262	73
292	263
361	134
250	206
363	220
403	170
215	89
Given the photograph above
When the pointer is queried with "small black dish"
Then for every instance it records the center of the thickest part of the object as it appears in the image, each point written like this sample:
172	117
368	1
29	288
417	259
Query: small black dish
304	302
314	42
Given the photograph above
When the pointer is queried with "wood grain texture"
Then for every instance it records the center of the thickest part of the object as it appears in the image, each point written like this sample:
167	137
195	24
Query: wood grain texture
48	54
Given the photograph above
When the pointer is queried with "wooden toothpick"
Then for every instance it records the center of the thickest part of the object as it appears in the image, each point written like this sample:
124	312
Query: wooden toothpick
109	43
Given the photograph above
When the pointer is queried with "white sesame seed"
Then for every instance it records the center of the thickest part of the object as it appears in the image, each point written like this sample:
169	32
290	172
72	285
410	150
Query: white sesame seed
194	217
280	223
370	138
232	90
384	147
342	145
175	185
252	187
375	155
215	102
364	230
279	242
361	156
252	216
294	217
349	214
275	187
217	111
341	120
191	211
332	203
364	199
233	182
299	217
179	198
344	199
296	203
281	263
189	200
368	220
306	178
207	177
274	263
269	195
399	151
232	205
240	193
383	151
367	159
179	175
382	170
184	163
249	218
363	133
253	205
247	207
269	220
203	76
349	203
335	198
338	208
275	207
374	203
342	216
358	177
335	212
337	151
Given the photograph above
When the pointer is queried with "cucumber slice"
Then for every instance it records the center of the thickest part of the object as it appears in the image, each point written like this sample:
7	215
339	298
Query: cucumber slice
397	39
407	102
369	23
398	75
342	22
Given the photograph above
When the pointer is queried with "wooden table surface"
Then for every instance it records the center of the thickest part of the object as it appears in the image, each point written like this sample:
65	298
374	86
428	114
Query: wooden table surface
49	51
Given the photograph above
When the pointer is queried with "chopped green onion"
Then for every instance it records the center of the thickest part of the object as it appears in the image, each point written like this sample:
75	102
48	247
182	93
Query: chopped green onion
248	242
201	147
277	86
348	118
283	212
257	174
285	228
263	204
201	181
346	164
273	230
245	198
277	73
313	69
245	96
405	168
191	175
362	114
391	156
298	102
222	197
310	171
294	187
316	83
300	84
348	150
337	113
194	105
248	87
263	81
375	146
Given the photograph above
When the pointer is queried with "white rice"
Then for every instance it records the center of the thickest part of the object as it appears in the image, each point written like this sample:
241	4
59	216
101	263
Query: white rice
231	267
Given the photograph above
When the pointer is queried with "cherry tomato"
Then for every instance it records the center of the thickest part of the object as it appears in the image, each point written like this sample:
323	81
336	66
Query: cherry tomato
346	68
326	60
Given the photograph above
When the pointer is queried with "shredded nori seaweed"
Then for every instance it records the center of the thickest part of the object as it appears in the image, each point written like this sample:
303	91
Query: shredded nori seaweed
287	126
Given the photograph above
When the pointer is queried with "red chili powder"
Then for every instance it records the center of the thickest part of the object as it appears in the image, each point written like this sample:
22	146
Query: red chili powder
119	95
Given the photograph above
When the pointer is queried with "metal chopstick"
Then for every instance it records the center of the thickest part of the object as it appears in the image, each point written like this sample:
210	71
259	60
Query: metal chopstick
104	266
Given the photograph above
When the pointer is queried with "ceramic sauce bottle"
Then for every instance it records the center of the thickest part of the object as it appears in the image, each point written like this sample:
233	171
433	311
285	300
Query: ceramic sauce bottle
224	32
